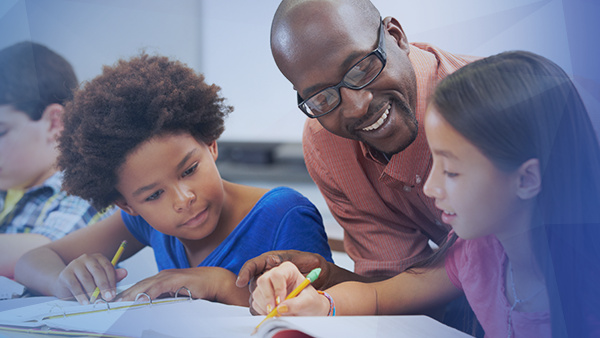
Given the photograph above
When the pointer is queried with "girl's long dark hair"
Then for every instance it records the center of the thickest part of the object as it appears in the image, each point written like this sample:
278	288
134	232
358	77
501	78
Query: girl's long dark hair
515	106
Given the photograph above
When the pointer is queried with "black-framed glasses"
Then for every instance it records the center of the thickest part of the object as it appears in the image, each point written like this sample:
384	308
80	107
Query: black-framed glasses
359	76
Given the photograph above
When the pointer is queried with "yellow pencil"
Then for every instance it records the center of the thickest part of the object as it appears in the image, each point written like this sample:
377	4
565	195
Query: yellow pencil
113	262
311	277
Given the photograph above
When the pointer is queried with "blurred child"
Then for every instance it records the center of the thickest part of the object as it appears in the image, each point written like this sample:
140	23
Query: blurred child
143	136
34	82
515	172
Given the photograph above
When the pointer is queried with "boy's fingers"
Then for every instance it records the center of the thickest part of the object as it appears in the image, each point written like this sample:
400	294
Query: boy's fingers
99	278
85	279
76	290
82	298
109	270
110	290
152	286
158	289
121	274
134	290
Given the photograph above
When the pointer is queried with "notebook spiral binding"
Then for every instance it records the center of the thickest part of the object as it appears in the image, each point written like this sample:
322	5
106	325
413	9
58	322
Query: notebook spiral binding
117	306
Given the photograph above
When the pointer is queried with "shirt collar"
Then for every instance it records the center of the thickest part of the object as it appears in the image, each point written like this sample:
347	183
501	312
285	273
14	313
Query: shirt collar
53	182
411	165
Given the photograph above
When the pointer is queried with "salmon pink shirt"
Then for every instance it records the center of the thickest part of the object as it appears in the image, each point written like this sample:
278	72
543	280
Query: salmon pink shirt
387	219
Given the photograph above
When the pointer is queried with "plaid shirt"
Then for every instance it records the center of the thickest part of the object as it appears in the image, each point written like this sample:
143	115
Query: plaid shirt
387	219
47	210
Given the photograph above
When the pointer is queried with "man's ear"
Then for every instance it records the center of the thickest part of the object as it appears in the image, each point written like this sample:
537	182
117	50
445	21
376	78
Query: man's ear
52	115
530	179
393	27
122	203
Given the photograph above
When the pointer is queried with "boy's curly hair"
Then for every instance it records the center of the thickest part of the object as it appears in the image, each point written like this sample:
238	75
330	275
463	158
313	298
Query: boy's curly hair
128	104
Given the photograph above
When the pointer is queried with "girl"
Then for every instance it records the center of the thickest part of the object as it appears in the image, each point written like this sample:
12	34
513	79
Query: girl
143	136
515	172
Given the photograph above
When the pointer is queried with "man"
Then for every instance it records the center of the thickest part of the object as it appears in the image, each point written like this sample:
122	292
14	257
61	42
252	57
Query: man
365	91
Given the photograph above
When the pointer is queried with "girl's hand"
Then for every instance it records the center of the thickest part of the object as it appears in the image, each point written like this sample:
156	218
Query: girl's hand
81	277
210	283
277	283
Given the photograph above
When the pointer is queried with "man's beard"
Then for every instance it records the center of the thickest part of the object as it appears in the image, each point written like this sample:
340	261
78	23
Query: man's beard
410	121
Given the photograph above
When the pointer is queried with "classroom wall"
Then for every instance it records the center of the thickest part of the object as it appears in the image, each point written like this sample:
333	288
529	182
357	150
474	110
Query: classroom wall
229	42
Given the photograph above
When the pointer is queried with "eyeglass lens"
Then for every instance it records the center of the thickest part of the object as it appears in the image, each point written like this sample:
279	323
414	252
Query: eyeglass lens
356	78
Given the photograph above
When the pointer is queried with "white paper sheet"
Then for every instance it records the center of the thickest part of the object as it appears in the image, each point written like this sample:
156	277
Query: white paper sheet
200	318
10	289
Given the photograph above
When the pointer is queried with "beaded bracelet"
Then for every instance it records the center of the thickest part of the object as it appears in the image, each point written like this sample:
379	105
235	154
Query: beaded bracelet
331	303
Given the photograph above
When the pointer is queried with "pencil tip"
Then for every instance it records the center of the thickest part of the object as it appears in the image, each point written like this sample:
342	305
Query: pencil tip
254	332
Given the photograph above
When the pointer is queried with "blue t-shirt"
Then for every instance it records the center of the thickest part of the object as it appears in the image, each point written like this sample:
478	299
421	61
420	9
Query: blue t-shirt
282	219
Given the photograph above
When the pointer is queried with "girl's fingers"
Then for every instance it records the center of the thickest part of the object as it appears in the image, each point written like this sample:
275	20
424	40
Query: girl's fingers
279	285
259	302
273	287
264	294
307	303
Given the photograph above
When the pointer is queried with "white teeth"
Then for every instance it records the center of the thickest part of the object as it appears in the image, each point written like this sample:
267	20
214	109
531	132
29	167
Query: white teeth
449	213
379	122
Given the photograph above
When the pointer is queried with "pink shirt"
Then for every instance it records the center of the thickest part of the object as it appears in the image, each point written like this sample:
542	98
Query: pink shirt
477	267
387	219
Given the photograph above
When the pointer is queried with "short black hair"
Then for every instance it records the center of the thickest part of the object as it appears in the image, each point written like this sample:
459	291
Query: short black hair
128	104
32	77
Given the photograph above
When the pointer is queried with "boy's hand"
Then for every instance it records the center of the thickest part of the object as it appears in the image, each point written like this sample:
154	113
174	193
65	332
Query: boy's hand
210	283
81	277
277	283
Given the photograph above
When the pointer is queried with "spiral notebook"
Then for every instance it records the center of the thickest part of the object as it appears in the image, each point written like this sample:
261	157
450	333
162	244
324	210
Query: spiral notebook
184	317
114	319
200	318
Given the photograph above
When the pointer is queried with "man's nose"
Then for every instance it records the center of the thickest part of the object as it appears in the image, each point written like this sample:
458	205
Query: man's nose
355	103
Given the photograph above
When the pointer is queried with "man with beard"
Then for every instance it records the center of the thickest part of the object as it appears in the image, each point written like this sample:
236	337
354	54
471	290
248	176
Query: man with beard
365	90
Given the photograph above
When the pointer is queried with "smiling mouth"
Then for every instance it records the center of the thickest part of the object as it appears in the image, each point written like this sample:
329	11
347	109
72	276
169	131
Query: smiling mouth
449	213
380	121
195	218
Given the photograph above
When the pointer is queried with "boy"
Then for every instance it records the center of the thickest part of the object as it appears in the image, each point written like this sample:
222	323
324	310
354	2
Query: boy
143	136
34	82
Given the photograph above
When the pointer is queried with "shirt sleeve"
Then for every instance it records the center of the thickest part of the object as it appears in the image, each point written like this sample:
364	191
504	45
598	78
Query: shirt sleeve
70	214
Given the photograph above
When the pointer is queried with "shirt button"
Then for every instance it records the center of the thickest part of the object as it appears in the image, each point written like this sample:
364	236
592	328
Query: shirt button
418	179
407	188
